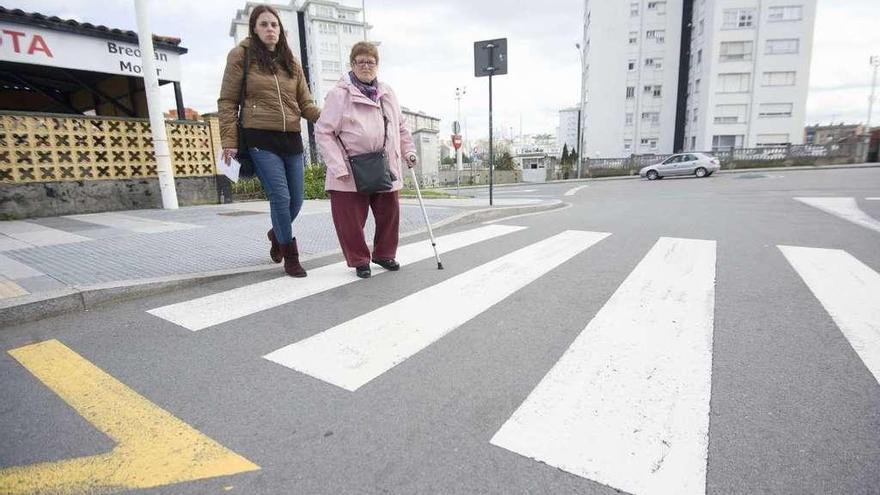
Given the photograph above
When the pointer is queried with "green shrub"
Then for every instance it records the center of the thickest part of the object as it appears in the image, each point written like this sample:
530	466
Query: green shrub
315	181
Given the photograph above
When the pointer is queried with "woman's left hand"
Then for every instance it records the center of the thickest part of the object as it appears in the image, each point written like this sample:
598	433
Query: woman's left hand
411	159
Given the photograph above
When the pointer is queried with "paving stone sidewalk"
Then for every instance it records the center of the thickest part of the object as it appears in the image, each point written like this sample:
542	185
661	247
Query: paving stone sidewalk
47	254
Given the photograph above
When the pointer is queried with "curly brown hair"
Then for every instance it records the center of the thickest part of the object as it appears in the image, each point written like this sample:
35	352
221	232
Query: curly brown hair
364	48
282	55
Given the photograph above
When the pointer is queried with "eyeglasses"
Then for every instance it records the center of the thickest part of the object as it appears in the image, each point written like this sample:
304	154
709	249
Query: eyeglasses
365	64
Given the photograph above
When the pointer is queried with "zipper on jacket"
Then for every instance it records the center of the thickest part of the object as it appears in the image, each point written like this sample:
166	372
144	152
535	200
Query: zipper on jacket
281	103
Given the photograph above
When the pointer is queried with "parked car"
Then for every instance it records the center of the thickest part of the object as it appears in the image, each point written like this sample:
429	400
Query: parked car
698	164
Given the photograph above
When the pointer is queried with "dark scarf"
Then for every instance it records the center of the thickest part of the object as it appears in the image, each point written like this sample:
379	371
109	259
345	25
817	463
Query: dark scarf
369	90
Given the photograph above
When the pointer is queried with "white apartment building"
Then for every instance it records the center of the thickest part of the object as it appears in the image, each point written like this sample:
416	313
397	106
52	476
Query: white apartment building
630	66
748	73
425	132
567	132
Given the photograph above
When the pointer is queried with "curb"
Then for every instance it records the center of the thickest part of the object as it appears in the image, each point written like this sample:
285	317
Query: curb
732	171
34	307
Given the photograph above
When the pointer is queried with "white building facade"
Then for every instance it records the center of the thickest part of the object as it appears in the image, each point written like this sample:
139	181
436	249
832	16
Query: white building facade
631	53
748	73
567	132
425	132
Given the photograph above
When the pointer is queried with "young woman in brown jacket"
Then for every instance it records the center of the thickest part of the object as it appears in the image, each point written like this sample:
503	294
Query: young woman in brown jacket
277	97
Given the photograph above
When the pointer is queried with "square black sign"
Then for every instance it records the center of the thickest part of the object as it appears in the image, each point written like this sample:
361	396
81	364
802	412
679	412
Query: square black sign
488	55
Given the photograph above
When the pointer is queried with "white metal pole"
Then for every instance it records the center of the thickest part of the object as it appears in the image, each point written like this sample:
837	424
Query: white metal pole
875	62
157	121
580	150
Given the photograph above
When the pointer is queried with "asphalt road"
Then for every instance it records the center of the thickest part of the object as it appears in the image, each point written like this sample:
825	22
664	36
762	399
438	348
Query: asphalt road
752	385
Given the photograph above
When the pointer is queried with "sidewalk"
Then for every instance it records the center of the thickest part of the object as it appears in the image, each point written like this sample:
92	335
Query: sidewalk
56	264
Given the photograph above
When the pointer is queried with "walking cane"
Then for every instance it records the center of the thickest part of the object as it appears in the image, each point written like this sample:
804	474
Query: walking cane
427	222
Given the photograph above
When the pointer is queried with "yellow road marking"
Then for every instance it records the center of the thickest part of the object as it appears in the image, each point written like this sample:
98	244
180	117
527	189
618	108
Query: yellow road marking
153	447
8	288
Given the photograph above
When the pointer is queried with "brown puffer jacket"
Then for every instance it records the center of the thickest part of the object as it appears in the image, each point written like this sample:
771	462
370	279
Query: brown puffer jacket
273	102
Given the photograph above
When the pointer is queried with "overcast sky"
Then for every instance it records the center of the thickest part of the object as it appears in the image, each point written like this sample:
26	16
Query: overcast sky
427	51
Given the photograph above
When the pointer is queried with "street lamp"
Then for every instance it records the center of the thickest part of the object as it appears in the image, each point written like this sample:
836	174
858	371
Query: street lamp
459	92
580	139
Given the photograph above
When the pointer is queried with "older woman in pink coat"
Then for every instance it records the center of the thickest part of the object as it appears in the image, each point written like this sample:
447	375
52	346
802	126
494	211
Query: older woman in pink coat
353	114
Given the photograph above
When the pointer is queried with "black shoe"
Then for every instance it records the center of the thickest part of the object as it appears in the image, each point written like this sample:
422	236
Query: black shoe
391	265
363	271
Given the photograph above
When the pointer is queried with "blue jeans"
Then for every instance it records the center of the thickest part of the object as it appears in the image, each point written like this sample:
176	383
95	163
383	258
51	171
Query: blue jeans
283	179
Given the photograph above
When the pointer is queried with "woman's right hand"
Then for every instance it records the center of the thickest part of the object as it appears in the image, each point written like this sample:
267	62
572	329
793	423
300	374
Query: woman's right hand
229	154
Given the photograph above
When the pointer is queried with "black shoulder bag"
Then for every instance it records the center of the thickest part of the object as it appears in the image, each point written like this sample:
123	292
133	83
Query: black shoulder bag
371	170
243	157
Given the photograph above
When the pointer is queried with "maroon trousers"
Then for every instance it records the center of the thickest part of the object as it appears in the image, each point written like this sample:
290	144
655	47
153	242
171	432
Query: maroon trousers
349	211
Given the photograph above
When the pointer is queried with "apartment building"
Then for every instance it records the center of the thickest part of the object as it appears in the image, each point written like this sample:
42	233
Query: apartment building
567	132
425	131
631	54
748	73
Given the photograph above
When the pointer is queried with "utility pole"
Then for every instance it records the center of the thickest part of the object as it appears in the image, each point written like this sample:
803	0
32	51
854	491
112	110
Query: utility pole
157	120
364	11
875	63
580	138
459	92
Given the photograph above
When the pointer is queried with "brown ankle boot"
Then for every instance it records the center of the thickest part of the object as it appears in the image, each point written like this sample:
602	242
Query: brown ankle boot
291	260
275	249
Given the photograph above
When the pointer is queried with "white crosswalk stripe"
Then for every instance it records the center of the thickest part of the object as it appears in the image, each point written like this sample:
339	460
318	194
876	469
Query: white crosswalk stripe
208	311
845	208
627	405
357	351
849	290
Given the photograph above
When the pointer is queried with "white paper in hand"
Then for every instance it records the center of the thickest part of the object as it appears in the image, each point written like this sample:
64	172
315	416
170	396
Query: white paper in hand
231	170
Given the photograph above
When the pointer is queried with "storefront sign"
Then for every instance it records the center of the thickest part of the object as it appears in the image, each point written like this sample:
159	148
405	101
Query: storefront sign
41	46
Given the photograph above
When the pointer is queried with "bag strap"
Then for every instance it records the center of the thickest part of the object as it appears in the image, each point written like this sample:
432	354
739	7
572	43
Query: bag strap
243	91
384	129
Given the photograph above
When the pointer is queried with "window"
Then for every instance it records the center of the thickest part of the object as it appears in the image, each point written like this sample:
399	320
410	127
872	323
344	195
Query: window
735	82
778	79
787	13
700	27
693	143
650	143
631	65
735	50
696	86
349	29
772	140
326	28
324	11
699	56
347	15
630	92
634	9
659	7
658	35
652	117
738	18
726	142
329	48
656	91
774	110
629	118
331	66
633	37
627	145
730	114
695	115
654	63
778	47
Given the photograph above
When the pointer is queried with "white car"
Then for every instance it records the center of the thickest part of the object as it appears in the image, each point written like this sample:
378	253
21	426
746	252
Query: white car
698	164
